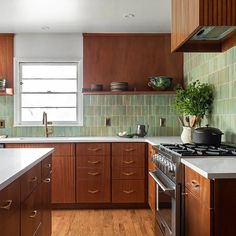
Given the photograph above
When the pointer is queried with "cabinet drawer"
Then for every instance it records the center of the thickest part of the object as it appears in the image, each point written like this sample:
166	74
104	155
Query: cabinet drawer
31	213
92	173
128	155
93	191
30	180
47	167
91	161
199	186
10	209
128	173
128	191
93	149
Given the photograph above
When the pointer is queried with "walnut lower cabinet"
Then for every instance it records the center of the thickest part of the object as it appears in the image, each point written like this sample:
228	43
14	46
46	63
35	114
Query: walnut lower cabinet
93	173
25	204
209	205
128	173
63	169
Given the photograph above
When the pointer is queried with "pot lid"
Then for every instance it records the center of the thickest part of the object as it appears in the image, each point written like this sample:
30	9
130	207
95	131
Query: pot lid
209	130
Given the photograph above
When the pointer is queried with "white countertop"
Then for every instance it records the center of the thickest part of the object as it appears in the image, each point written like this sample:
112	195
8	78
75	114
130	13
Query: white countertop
151	140
15	162
212	167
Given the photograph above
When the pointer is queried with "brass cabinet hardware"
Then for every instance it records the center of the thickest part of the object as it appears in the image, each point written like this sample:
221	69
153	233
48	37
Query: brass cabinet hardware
129	149
94	149
128	174
184	194
128	191
50	172
7	205
34	214
93	173
48	166
195	184
47	180
128	162
93	191
34	179
93	162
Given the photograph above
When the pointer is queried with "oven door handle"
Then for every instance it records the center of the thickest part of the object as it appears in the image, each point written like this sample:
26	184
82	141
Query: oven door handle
163	187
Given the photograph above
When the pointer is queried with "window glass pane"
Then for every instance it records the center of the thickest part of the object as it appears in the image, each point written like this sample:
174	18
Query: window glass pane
49	85
40	70
48	100
54	114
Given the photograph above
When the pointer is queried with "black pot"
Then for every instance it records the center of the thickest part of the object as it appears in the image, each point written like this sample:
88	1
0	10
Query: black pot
207	136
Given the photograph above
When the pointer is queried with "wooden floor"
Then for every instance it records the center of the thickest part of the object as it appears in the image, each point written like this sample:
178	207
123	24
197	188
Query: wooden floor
103	222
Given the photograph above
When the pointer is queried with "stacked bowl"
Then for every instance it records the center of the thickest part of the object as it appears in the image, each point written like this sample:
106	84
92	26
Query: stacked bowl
119	86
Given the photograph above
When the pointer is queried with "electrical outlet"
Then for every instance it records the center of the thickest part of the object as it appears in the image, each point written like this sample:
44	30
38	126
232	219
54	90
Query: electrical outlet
162	122
108	121
2	123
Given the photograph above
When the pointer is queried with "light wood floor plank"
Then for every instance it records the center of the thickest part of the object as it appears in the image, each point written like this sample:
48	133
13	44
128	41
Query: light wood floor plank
113	222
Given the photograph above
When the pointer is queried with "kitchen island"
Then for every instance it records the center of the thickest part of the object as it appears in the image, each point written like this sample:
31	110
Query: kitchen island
25	191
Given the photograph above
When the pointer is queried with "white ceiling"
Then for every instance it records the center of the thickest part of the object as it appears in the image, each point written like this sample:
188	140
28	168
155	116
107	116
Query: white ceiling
18	16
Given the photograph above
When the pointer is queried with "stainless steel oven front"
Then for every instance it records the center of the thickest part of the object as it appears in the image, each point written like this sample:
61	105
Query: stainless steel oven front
165	203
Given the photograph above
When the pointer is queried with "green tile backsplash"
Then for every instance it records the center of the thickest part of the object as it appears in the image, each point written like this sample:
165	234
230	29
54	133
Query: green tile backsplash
125	111
218	69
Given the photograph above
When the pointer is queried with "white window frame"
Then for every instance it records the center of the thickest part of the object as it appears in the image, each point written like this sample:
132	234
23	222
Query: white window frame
17	99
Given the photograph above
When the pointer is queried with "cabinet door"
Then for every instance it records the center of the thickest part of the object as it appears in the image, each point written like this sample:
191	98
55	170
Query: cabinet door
31	213
197	216
10	210
6	58
46	197
151	182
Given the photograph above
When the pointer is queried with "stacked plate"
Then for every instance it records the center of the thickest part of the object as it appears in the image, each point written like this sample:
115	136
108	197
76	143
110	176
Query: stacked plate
119	86
2	84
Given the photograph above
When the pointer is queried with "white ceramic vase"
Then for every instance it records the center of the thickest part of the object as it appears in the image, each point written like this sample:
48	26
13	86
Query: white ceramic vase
187	134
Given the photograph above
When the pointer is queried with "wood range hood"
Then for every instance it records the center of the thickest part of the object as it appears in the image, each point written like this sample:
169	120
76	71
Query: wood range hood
203	25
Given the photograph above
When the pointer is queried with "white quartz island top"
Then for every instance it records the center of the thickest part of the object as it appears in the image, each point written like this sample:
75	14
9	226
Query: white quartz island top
15	162
212	167
151	140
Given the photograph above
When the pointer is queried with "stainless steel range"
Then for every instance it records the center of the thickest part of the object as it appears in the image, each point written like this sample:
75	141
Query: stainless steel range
169	180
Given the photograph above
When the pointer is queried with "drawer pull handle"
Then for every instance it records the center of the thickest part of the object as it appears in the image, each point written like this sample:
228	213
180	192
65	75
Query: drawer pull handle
34	213
128	162
195	184
184	194
128	191
93	173
93	162
93	191
33	179
7	206
48	166
129	149
94	149
128	174
47	180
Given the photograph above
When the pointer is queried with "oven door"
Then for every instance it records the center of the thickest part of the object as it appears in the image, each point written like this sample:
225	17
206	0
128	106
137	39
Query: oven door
165	203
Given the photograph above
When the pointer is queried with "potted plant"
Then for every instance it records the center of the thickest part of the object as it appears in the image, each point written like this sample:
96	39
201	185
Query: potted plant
192	103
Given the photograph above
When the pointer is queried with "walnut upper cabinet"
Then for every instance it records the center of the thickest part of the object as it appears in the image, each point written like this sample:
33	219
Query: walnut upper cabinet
129	57
6	58
192	18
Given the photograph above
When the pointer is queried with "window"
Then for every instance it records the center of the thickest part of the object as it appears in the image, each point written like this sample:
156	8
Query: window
52	87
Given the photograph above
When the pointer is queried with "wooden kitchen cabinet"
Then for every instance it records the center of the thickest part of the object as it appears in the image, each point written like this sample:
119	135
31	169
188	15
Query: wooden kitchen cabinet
10	209
129	57
151	182
93	173
209	205
128	173
188	16
6	58
63	170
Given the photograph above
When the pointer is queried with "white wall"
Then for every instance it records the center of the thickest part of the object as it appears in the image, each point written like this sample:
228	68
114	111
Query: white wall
48	46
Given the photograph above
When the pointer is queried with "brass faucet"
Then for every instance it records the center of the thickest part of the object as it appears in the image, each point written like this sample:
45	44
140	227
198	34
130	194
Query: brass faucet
45	123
